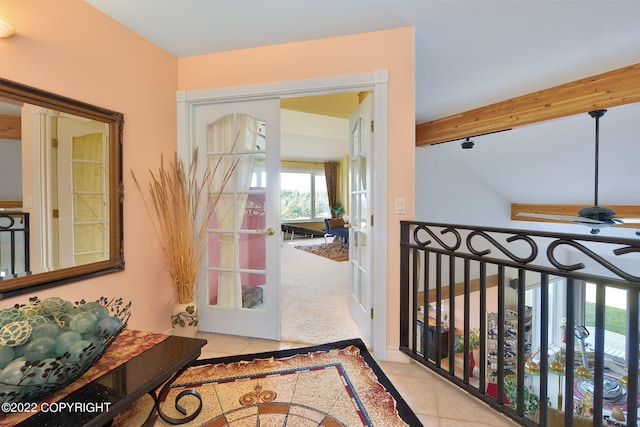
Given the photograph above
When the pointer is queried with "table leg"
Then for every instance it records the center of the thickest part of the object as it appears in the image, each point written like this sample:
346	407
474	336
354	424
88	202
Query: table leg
163	391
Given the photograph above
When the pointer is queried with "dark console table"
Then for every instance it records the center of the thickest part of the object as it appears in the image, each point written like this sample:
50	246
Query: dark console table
123	385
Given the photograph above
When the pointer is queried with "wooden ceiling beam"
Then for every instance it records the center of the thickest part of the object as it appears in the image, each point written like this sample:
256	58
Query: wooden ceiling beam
610	89
11	204
622	211
10	127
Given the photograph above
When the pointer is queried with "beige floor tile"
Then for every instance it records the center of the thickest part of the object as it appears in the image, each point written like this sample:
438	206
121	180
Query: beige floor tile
408	369
260	346
206	354
429	421
225	344
448	422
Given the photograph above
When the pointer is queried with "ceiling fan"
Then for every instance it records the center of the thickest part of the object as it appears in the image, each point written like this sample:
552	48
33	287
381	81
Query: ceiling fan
595	217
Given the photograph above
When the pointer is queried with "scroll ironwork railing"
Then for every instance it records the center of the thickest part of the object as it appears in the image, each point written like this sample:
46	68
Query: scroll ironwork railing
549	320
14	243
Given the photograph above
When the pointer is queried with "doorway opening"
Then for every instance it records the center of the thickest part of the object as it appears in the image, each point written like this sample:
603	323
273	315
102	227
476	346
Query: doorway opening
315	284
195	105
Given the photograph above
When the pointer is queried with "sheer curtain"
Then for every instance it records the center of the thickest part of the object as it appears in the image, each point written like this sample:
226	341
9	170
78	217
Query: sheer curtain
230	139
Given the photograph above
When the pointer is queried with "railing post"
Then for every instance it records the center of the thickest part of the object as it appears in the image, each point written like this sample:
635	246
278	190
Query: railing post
467	327
520	345
544	344
483	327
632	353
27	243
501	312
404	284
570	354
414	297
599	354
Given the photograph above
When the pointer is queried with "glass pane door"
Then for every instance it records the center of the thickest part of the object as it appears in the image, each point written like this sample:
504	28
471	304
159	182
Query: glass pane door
237	245
360	202
238	286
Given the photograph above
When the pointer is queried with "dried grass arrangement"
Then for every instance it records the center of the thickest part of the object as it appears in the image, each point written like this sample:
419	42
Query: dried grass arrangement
182	215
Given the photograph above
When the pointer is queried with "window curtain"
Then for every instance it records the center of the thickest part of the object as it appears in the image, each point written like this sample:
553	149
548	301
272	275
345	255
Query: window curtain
230	209
331	176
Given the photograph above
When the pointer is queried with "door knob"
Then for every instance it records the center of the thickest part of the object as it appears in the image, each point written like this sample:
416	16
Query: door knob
269	231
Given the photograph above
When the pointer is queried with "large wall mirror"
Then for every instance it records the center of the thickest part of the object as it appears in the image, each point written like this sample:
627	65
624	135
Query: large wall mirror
60	190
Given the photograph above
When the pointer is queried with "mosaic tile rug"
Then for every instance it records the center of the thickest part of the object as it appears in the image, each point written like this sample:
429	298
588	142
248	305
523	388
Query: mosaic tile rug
337	384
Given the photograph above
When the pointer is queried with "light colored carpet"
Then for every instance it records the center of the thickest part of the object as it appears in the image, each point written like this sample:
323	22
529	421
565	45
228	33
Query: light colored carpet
314	297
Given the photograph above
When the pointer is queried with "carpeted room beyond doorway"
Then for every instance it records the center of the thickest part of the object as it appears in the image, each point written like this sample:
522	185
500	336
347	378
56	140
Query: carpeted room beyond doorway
314	296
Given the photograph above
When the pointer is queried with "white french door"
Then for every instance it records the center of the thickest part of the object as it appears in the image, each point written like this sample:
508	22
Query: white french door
189	102
360	154
82	191
238	290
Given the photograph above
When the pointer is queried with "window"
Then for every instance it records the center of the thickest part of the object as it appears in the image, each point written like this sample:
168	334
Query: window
556	301
615	319
615	327
303	196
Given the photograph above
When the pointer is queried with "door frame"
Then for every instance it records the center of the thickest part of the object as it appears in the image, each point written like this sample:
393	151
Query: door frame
376	81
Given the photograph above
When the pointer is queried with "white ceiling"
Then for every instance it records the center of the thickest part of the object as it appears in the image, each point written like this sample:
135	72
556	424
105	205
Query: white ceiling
553	162
467	54
312	137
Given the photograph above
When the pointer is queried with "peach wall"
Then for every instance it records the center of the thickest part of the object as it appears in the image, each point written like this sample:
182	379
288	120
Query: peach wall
356	54
70	48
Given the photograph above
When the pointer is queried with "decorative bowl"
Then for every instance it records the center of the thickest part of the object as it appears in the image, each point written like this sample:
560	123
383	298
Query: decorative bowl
45	345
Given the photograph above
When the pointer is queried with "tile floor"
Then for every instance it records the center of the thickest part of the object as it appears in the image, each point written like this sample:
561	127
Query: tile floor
436	402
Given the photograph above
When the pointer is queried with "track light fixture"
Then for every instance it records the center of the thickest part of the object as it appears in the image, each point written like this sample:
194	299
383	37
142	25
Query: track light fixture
467	144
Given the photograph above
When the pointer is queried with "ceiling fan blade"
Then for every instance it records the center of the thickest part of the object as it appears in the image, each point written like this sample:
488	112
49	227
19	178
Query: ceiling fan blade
628	220
569	218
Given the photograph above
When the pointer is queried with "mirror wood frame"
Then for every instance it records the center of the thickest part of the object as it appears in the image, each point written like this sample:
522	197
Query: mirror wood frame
32	282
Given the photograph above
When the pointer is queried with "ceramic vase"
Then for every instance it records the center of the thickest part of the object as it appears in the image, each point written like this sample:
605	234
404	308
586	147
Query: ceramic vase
184	319
472	363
